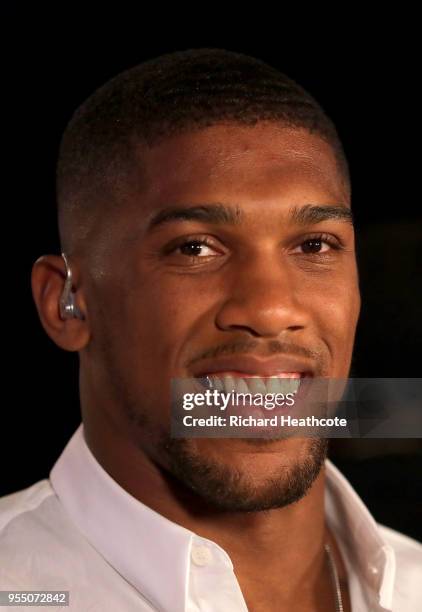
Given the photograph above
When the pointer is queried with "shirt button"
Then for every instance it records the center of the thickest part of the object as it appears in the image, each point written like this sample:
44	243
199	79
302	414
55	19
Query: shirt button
201	555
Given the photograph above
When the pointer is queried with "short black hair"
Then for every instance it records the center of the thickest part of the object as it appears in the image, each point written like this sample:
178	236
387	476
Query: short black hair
173	93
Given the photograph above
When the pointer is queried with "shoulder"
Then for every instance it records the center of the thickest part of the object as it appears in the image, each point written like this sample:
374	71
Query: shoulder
42	549
408	565
18	506
405	548
34	533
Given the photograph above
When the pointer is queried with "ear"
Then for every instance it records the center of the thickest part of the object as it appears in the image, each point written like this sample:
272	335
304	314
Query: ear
47	281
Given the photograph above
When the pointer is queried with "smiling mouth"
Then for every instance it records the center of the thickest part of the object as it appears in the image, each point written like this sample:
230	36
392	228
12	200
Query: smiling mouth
239	382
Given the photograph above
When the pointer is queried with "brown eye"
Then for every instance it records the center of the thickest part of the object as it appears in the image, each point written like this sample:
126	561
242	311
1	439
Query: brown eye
314	245
195	248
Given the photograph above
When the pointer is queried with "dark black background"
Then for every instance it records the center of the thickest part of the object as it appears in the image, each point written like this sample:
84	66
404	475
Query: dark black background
366	79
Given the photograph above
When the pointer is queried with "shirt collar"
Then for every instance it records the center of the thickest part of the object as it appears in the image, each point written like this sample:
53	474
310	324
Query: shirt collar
143	546
359	537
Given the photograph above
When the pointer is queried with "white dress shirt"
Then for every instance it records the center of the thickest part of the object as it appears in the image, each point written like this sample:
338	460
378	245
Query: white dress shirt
82	532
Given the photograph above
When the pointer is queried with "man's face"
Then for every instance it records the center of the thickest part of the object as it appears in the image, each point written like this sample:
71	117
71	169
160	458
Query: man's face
232	255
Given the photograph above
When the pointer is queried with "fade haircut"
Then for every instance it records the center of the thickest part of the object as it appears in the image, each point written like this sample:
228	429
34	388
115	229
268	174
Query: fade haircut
171	94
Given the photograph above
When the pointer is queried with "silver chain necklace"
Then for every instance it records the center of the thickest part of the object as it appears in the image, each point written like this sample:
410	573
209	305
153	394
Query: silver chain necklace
335	578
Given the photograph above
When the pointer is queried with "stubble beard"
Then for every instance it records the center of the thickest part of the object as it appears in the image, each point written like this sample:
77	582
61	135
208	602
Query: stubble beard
218	484
227	488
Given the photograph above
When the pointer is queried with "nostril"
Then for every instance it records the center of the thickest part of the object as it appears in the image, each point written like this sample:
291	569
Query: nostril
245	328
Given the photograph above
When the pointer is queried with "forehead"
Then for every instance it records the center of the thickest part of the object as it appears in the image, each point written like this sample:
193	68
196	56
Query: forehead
225	161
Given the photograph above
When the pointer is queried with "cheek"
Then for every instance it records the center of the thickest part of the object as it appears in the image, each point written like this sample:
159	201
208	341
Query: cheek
159	319
336	313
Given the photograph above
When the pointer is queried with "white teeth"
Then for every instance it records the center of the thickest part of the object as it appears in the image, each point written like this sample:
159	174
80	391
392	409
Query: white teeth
288	384
241	386
217	383
273	386
294	384
228	384
256	385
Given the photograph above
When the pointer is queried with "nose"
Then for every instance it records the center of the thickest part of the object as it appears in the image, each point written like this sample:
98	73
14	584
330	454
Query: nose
264	298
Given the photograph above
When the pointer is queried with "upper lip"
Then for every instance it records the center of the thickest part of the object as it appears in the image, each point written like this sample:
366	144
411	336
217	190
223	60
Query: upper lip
252	365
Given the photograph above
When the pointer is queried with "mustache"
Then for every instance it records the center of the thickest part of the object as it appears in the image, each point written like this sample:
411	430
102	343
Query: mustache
273	347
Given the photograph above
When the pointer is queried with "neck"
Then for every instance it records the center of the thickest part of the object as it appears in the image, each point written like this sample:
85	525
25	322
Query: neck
288	540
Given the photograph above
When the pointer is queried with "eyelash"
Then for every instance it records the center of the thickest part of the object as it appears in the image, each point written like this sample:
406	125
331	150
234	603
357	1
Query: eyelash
199	240
333	243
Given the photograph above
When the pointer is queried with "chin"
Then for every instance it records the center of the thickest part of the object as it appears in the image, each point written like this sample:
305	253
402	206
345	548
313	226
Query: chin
246	474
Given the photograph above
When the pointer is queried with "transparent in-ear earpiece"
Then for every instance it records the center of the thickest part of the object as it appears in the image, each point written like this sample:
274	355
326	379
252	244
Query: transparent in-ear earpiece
68	308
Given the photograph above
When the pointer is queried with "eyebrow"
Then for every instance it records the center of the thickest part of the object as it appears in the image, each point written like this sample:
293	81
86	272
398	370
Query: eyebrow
219	213
311	213
207	213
